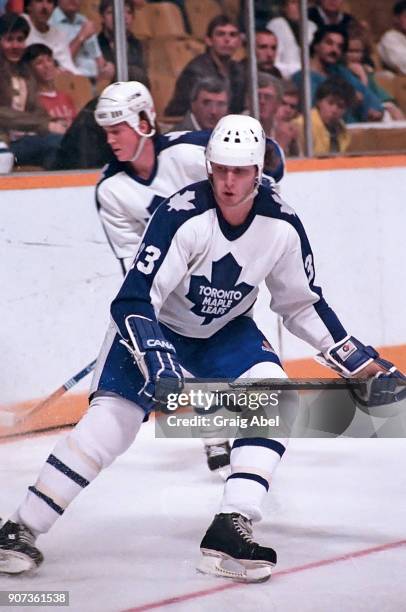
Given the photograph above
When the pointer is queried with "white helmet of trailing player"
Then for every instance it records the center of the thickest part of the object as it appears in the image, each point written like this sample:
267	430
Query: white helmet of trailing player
123	102
237	140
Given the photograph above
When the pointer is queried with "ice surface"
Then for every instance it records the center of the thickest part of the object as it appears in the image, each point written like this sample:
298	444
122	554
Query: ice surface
132	537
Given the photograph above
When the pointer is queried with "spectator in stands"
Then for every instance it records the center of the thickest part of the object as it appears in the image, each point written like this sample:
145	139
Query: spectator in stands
83	42
327	51
333	97
287	111
37	13
356	51
392	46
286	29
266	45
269	99
58	104
289	106
209	101
33	137
328	12
223	38
106	39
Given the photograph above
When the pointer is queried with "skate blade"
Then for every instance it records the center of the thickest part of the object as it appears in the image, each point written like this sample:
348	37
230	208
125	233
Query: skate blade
12	562
239	571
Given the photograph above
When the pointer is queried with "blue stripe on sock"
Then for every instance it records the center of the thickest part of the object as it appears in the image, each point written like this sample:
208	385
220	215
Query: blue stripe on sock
271	444
248	476
47	500
82	482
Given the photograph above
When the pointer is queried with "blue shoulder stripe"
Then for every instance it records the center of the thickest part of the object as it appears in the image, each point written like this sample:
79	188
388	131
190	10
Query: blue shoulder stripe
269	204
199	138
112	168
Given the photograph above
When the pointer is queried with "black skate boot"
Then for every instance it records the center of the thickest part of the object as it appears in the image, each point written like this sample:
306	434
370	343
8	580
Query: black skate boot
229	551
18	553
218	456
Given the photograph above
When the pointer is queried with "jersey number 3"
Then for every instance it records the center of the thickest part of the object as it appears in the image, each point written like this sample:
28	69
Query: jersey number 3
308	264
150	255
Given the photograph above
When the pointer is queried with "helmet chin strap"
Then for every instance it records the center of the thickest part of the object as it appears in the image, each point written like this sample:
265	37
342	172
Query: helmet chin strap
142	142
139	148
251	195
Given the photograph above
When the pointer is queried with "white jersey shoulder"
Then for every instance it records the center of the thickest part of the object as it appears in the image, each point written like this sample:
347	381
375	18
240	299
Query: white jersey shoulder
126	202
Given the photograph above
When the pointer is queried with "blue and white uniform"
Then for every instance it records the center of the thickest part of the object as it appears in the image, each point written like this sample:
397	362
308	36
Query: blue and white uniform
126	202
199	276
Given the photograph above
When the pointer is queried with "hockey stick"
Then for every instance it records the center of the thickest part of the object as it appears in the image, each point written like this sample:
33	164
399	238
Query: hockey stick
10	419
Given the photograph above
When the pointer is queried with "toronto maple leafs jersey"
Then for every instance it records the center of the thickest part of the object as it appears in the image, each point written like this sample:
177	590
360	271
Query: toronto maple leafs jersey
126	202
195	272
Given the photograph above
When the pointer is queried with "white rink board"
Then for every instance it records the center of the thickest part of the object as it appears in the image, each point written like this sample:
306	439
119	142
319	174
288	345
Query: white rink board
58	279
58	274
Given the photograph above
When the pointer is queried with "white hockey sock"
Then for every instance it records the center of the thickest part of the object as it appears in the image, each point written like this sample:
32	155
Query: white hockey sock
253	461
106	431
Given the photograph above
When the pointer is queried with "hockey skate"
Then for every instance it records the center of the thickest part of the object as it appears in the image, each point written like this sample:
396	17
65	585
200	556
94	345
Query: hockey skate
218	458
18	553
230	552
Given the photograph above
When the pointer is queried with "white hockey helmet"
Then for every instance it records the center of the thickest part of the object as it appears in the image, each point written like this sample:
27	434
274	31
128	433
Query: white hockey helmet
237	140
123	102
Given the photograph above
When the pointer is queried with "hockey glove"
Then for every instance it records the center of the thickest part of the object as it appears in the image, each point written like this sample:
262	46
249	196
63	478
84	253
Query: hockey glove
156	358
349	356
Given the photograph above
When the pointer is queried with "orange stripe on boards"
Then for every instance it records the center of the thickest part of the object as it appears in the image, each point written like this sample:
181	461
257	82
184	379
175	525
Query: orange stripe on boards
86	179
70	408
49	181
345	163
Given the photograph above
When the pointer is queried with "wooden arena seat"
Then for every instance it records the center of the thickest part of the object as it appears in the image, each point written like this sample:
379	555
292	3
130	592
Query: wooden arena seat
77	86
162	87
231	8
378	15
395	85
169	56
373	140
141	27
200	14
158	20
166	58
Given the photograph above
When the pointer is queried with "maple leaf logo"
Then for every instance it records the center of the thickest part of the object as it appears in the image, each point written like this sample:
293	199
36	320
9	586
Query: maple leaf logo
216	298
182	201
174	135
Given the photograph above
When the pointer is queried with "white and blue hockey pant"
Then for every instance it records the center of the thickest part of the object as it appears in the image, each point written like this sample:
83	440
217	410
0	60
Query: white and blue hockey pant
112	422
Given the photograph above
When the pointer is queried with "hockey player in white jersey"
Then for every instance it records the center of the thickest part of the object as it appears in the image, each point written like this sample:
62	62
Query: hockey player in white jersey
148	169
224	235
